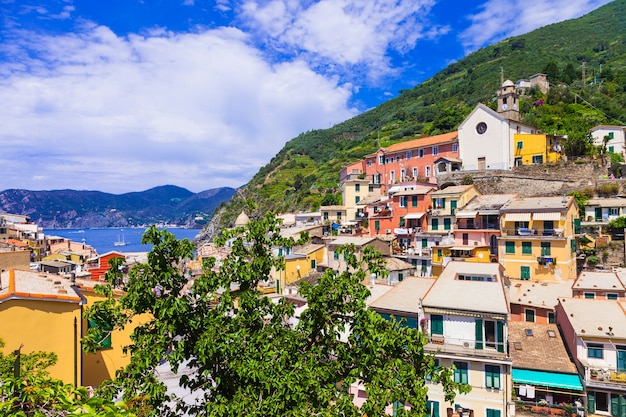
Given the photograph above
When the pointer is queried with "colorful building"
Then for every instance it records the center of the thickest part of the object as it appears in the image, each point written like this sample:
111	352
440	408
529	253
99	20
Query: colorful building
99	265
538	148
538	238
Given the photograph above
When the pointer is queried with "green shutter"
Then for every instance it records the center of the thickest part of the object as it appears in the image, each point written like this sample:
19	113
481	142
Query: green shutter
615	405
435	224
479	333
591	402
414	201
436	324
447	223
401	221
577	226
500	327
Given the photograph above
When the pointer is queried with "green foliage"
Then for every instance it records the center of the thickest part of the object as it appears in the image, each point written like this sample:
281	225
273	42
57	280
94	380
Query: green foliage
36	396
582	197
467	179
616	157
245	355
617	224
30	364
607	190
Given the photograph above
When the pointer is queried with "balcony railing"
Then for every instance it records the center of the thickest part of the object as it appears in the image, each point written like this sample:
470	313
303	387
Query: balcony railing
467	347
476	225
605	375
527	232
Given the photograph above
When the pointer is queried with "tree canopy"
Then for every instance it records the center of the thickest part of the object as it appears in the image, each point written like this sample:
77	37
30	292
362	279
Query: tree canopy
248	354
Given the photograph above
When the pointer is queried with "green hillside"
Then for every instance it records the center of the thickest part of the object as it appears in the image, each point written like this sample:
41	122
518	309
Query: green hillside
585	60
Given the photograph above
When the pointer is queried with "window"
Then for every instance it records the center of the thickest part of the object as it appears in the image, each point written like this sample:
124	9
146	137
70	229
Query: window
369	162
325	215
357	187
440	203
520	145
434	224
436	324
455	147
537	159
435	150
403	200
611	149
466	238
510	247
381	160
492	376
414	200
527	248
551	317
447	223
402	174
103	333
433	408
545	249
414	173
392	176
377	225
595	350
492	413
460	372
524	272
357	199
402	223
590	295
335	255
530	315
613	211
420	153
427	171
408	155
611	135
611	296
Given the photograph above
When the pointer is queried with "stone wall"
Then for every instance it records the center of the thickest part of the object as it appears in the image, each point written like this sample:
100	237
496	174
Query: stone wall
536	180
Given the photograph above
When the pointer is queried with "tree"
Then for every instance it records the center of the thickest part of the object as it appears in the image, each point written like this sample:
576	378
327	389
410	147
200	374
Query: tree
246	354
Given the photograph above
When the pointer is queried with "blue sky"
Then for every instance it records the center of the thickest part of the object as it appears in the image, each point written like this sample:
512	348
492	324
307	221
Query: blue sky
125	95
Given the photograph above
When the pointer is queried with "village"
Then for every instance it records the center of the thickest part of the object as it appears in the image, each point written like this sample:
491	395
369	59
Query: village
498	284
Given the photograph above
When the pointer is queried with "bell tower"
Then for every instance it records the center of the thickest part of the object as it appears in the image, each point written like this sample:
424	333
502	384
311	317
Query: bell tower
508	101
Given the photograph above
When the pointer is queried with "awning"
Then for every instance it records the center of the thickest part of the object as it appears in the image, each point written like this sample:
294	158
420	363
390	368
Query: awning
466	214
463	247
489	212
547	379
546	216
517	217
394	189
414	216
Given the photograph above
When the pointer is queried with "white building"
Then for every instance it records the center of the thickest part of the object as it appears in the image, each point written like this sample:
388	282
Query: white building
486	137
615	136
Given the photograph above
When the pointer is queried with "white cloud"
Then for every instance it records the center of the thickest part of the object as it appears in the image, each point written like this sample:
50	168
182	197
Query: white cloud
501	19
343	33
94	110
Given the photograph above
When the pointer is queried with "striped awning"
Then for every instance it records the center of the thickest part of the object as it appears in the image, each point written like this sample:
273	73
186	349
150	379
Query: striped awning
547	216
414	216
466	214
517	217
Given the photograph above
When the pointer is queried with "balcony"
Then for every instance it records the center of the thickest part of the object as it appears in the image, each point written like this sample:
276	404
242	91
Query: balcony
532	233
604	376
463	347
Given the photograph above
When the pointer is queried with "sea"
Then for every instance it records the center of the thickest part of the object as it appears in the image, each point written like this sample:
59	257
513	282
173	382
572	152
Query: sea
103	239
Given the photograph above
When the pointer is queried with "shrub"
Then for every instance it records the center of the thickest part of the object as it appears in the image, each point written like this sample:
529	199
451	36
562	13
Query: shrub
467	180
606	190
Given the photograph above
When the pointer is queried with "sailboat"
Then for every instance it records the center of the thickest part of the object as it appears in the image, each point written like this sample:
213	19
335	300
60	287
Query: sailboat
121	242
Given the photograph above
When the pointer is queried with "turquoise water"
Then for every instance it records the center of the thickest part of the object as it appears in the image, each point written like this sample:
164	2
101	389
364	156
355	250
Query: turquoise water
103	240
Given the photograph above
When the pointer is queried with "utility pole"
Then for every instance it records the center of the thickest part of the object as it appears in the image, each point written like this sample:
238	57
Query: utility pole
584	63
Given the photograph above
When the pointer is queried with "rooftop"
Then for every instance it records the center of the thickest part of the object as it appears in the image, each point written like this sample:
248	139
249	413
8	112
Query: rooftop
598	280
596	318
529	343
26	284
450	293
488	203
538	204
405	296
454	189
539	294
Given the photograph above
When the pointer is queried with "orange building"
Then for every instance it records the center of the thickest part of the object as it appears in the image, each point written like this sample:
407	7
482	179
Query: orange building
99	265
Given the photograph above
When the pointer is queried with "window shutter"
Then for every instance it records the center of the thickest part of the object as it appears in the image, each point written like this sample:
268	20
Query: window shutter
591	402
479	333
500	345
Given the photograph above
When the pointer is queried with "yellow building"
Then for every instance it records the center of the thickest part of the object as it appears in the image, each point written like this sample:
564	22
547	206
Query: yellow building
532	149
43	312
441	255
538	238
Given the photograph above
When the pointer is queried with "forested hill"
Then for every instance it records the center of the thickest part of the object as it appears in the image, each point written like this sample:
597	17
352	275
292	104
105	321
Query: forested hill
584	59
83	209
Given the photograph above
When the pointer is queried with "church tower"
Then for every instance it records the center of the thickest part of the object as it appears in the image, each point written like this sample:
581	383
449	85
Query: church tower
508	101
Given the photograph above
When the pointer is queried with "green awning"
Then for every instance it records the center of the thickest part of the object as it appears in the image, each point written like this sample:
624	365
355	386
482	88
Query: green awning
547	379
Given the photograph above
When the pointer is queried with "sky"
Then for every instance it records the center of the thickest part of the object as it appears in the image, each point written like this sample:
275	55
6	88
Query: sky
125	95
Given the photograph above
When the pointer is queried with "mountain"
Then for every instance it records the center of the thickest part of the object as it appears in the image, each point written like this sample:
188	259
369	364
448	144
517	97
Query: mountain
82	209
584	59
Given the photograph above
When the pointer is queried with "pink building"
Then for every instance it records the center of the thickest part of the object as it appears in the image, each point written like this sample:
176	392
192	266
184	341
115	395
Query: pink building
415	160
